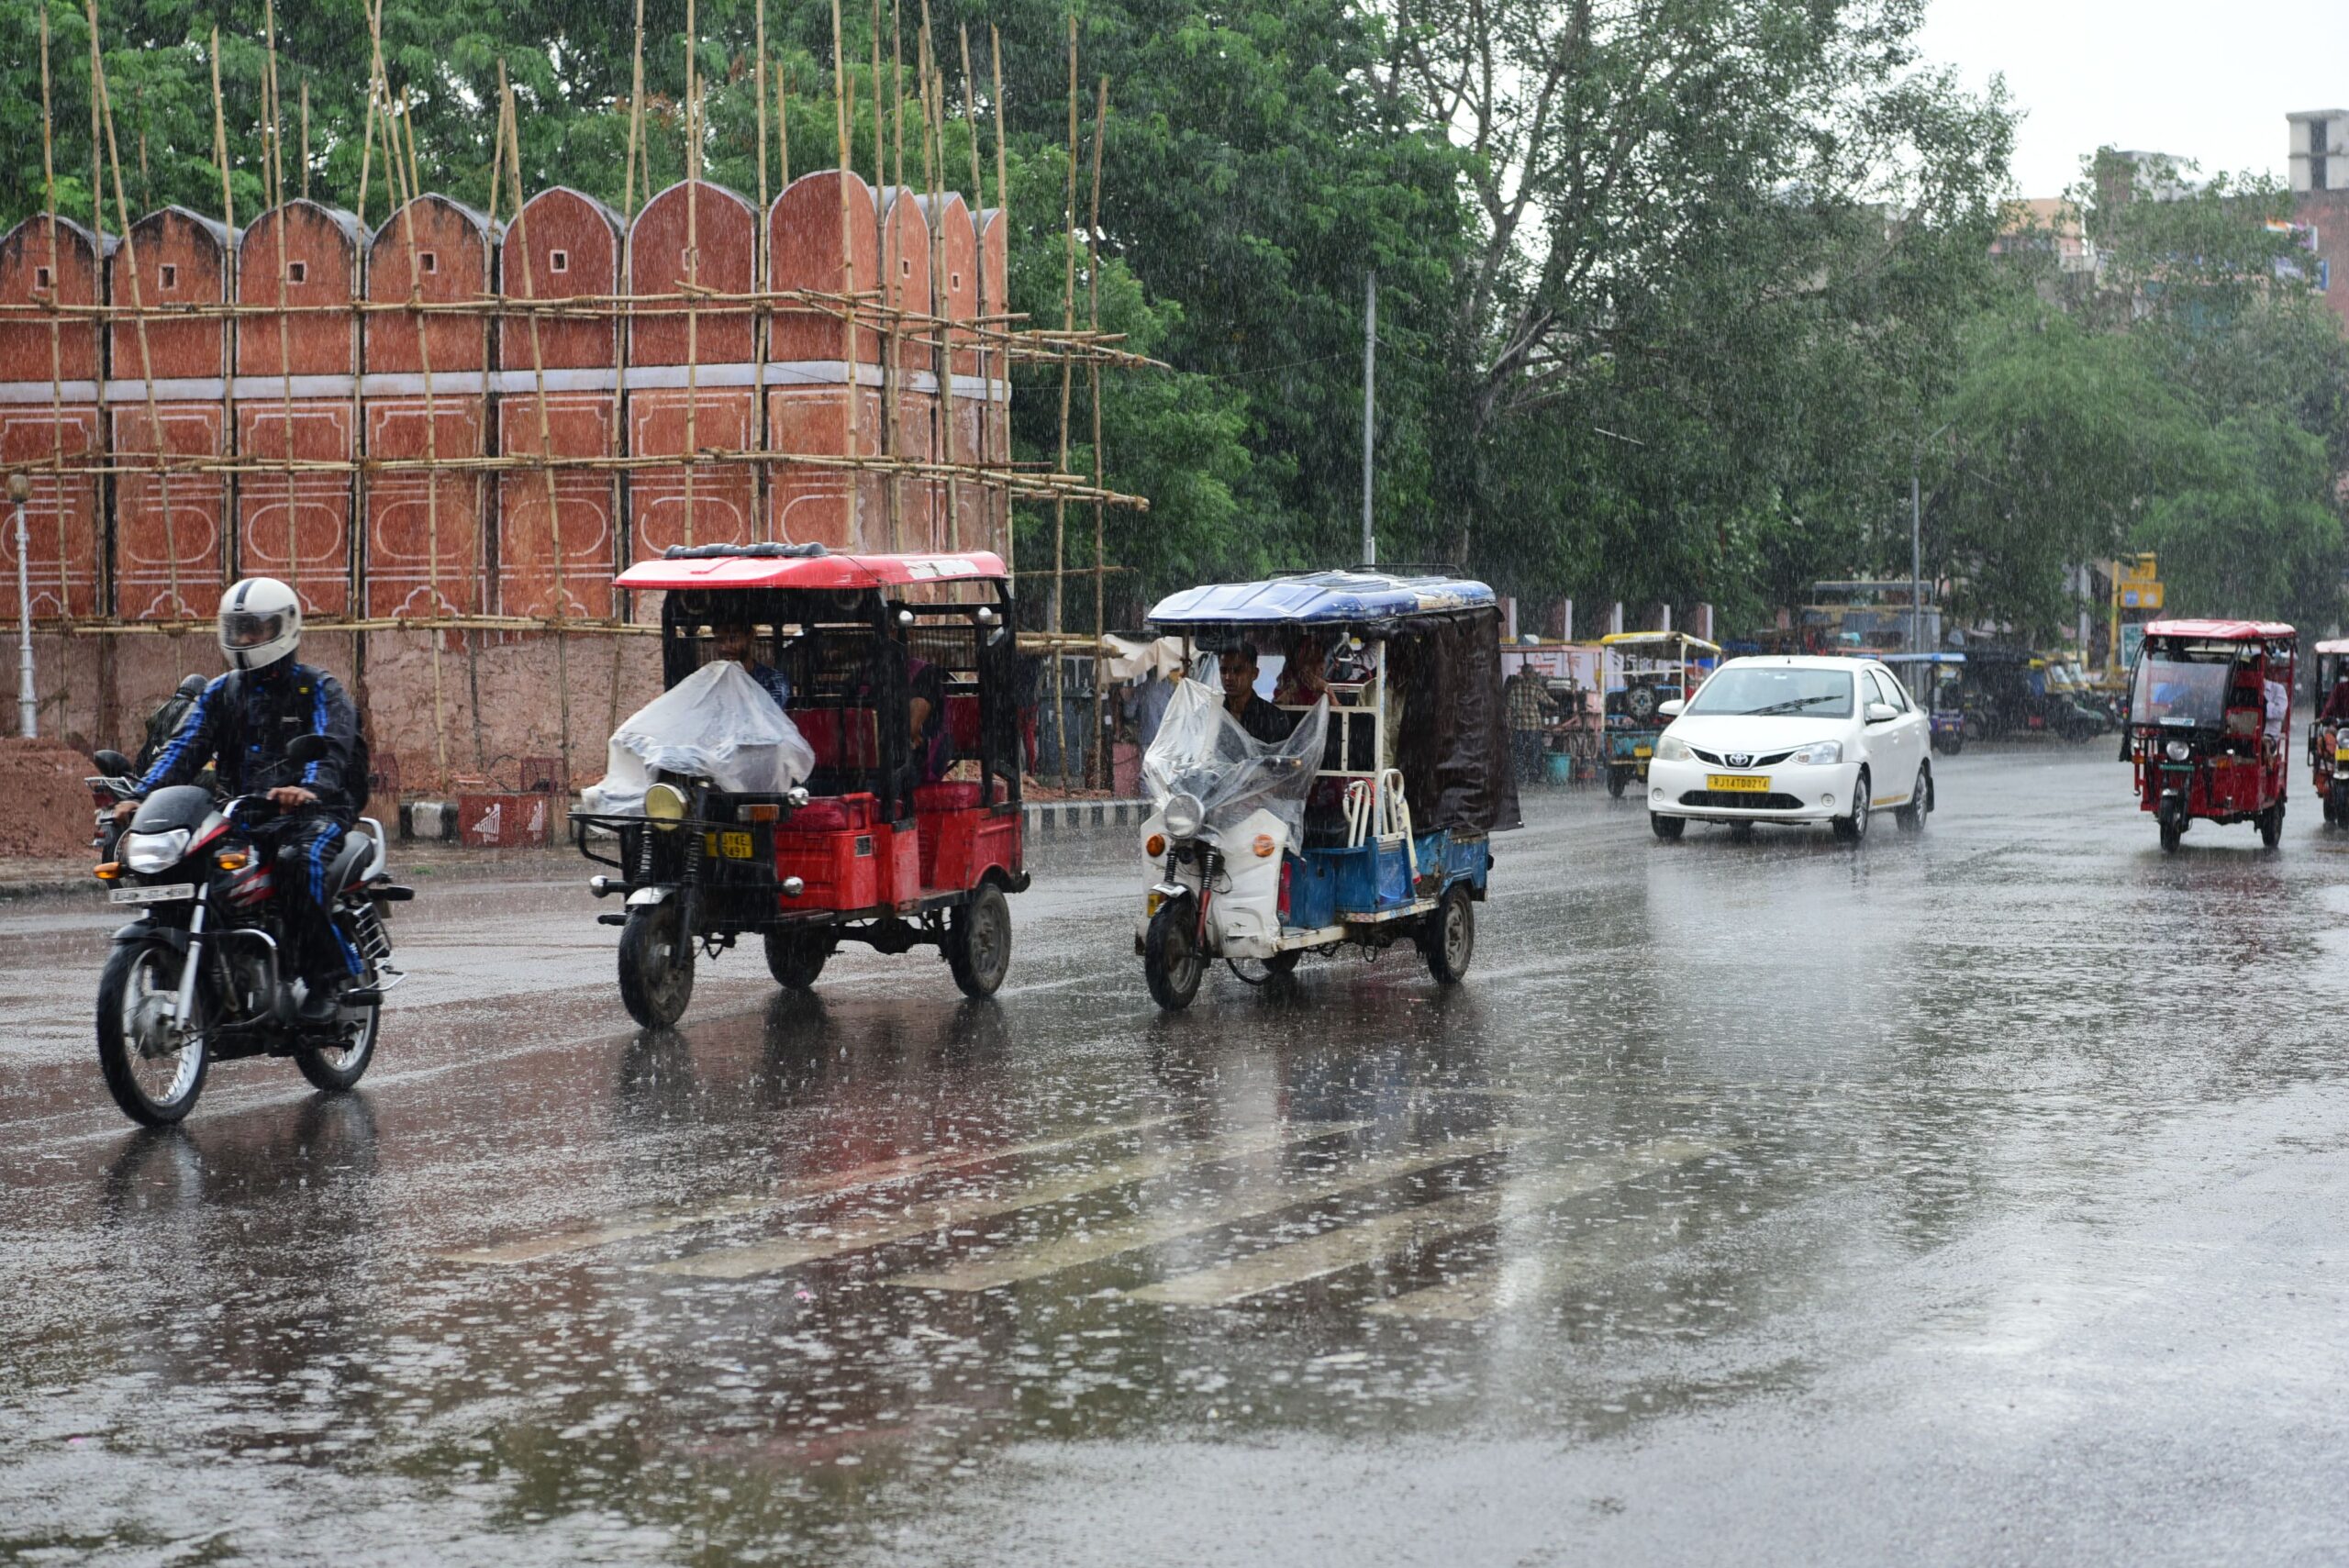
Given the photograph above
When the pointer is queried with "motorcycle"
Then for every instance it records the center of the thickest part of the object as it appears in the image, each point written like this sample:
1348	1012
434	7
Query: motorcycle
200	974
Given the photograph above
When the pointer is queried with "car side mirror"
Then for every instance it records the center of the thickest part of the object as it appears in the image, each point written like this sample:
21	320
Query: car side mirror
307	748
114	764
1672	710
1882	713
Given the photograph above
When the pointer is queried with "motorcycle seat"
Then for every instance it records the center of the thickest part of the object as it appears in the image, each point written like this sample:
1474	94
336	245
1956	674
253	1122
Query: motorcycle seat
350	861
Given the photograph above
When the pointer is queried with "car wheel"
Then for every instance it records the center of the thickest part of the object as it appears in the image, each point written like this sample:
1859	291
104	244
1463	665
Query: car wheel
1911	817
1668	829
1853	828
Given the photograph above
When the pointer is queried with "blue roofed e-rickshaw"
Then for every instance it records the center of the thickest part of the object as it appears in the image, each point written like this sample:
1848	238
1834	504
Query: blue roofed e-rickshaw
1355	807
1937	680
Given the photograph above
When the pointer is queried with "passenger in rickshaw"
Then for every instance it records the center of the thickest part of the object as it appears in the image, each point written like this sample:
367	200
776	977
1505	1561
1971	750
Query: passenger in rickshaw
2336	701
1238	667
1305	675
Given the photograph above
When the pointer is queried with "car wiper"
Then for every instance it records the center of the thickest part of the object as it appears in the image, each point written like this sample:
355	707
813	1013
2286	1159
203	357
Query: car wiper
1788	705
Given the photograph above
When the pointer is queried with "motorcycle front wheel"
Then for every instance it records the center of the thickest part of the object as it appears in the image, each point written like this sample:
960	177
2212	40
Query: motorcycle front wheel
656	966
152	1077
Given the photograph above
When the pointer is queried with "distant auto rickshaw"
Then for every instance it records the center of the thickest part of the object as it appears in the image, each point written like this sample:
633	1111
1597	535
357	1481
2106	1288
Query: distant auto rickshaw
2210	724
1355	807
2329	731
1648	669
885	683
1938	683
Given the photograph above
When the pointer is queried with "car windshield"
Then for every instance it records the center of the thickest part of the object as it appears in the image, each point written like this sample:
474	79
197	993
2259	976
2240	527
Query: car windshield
1764	689
2179	691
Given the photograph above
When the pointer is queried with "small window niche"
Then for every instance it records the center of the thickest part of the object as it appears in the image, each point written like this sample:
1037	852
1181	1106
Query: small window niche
557	260
428	262
297	272
169	278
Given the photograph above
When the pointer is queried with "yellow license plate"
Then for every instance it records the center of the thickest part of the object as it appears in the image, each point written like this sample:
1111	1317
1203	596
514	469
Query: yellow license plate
2341	754
733	846
1644	752
1742	783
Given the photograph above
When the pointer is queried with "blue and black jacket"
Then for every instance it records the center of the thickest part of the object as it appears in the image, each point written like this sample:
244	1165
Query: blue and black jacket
243	722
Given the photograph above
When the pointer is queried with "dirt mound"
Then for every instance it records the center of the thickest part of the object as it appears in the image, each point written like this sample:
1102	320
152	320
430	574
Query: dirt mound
44	808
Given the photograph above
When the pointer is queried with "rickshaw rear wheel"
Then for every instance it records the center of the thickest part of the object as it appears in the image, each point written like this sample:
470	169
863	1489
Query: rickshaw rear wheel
1450	936
656	966
796	958
1171	961
1668	829
978	942
2271	826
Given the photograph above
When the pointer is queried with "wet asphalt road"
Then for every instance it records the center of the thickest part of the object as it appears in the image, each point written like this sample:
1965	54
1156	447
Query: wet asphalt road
1971	1198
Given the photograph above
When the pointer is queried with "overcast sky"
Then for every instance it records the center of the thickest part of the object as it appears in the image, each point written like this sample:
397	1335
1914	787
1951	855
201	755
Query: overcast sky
2206	80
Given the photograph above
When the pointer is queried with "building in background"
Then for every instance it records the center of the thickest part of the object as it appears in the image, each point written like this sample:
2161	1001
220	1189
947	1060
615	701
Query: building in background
2320	198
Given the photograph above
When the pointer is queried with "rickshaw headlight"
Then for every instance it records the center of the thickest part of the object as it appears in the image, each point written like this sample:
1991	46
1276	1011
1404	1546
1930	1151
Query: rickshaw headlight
665	805
1671	749
1183	816
2178	750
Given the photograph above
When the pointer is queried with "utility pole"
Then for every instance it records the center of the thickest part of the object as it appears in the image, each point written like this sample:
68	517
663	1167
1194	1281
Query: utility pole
20	490
1369	408
1916	567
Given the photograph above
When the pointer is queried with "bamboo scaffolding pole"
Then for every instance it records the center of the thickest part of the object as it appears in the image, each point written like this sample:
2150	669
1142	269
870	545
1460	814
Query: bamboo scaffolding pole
885	250
941	402
1093	393
761	324
635	123
305	138
986	452
284	323
510	137
1002	426
693	263
853	497
781	128
1059	507
103	108
623	503
57	357
393	170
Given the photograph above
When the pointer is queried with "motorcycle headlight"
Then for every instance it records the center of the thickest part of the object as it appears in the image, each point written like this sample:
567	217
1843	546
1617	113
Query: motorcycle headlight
1183	816
2178	750
148	853
665	805
1671	749
1819	754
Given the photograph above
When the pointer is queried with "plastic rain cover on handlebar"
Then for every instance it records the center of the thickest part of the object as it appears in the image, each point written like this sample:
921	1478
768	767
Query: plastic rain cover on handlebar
717	724
1201	750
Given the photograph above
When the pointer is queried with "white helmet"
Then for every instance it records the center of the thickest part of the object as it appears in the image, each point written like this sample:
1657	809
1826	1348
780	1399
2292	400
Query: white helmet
261	622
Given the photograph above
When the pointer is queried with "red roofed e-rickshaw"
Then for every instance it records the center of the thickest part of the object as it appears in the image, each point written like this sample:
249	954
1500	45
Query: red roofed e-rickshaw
2329	731
2210	723
886	811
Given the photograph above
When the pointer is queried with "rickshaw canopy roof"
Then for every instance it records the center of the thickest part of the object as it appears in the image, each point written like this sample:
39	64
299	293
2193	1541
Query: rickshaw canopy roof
2221	631
1920	658
1321	599
2334	645
755	566
1673	638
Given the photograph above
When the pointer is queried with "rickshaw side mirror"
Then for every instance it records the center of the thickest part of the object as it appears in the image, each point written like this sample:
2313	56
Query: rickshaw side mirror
1672	710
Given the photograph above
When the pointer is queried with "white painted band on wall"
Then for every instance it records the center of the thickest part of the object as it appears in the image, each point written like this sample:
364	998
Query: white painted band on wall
47	391
191	389
253	386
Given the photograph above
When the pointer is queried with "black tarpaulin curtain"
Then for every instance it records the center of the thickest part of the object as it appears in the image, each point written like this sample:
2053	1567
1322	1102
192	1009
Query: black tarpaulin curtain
1452	744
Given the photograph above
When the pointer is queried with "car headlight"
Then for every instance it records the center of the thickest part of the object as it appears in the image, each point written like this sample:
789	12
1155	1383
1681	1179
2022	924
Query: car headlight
2178	750
1819	754
665	805
148	853
1671	749
1183	815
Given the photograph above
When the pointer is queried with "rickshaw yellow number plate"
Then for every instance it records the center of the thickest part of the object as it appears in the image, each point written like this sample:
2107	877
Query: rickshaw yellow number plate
2341	753
733	846
1642	751
1743	783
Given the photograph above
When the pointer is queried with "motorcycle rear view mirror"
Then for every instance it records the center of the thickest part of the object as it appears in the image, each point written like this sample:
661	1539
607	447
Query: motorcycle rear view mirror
307	749
114	764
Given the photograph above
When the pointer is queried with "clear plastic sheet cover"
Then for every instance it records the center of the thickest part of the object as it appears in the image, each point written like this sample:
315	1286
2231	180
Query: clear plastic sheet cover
719	724
1202	751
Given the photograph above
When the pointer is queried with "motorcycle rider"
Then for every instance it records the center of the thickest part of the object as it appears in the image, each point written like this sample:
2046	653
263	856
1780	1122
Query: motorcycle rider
243	722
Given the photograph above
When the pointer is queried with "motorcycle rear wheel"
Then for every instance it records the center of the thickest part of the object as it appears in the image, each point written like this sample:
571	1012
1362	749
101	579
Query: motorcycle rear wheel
337	1068
134	996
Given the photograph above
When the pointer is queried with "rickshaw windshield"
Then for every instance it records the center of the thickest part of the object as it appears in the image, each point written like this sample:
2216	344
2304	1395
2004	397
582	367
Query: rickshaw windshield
2180	692
1202	751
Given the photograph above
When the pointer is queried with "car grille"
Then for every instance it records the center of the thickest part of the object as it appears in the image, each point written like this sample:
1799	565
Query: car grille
1741	800
1765	759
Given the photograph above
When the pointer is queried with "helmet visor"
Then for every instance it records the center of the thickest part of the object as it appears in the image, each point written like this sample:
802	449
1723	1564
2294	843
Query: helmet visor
241	630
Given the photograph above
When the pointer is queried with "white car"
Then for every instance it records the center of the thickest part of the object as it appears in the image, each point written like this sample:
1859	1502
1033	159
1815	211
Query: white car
1793	739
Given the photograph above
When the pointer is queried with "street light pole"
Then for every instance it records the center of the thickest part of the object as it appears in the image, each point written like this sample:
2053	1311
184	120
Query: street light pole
1369	408
1916	564
20	490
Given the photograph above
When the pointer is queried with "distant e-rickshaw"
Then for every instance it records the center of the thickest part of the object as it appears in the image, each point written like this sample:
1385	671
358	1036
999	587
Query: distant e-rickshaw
2329	731
2210	724
1648	669
1937	681
1359	810
887	680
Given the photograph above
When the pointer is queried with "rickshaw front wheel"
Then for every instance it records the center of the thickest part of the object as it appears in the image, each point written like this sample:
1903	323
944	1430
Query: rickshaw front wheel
656	966
1449	936
1171	961
978	942
1617	778
2271	826
2172	819
2340	801
796	958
